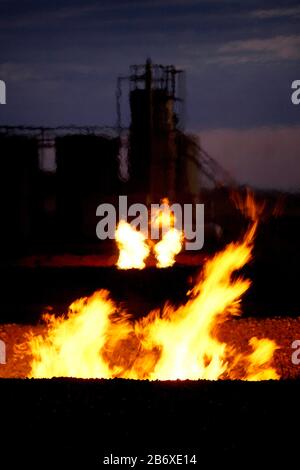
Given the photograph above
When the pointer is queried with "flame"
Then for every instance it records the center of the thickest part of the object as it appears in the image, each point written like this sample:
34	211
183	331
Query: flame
132	245
98	340
259	360
171	243
72	345
168	248
134	248
162	217
189	349
248	206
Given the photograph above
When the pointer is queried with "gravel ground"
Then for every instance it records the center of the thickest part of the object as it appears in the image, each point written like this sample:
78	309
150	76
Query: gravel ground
237	332
282	330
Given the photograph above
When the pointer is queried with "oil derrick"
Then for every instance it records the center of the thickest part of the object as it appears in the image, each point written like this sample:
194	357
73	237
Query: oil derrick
155	113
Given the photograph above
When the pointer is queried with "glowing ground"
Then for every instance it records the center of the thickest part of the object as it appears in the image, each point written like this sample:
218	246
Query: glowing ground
237	332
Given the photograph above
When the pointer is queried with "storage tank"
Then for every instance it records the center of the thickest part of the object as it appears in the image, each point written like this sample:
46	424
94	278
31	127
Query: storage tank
87	174
18	190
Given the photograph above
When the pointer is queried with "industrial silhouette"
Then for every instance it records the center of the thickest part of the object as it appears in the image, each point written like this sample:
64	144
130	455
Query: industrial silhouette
54	178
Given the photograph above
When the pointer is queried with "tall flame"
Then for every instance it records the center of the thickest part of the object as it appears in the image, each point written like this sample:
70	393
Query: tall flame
96	339
189	349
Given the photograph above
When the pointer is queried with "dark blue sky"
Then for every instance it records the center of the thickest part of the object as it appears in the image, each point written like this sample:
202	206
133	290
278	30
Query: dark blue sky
60	59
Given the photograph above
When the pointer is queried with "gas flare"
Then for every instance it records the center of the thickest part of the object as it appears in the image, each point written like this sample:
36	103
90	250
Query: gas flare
134	248
171	242
166	249
132	245
98	340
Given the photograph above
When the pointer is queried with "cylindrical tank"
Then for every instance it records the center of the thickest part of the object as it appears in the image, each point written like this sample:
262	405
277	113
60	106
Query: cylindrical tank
18	190
87	174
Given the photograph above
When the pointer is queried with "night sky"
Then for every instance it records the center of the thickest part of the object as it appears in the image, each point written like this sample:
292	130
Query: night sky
60	60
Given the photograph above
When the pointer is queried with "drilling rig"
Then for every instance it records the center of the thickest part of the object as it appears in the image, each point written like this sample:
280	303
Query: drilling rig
163	161
156	109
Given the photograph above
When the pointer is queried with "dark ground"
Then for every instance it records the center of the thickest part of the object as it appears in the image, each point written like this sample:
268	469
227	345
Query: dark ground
67	421
27	292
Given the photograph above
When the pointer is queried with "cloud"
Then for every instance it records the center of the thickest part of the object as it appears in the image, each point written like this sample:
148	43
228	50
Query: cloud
22	72
121	11
265	157
259	50
276	13
18	72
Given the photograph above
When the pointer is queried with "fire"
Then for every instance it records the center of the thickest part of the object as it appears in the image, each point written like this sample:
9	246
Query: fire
166	249
134	248
132	245
98	340
163	217
189	349
72	345
171	243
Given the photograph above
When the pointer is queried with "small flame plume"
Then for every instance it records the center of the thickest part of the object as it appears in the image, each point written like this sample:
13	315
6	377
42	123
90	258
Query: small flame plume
98	340
162	217
171	243
166	249
132	245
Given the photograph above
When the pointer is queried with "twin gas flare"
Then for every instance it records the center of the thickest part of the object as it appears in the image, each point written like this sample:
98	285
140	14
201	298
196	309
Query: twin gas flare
134	247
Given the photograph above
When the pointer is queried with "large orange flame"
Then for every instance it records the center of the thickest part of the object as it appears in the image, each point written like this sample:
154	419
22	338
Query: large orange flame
96	339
